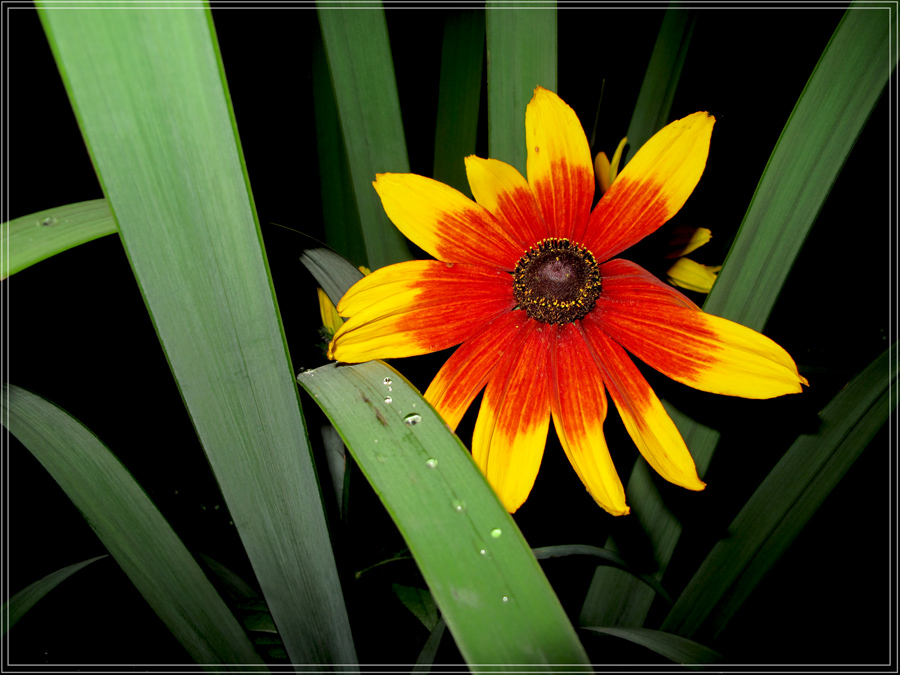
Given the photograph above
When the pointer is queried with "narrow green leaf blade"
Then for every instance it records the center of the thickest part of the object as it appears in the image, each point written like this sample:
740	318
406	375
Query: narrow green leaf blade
340	214
521	54
36	237
365	90
28	597
651	112
830	113
462	59
467	546
131	528
334	273
148	89
673	647
819	135
785	501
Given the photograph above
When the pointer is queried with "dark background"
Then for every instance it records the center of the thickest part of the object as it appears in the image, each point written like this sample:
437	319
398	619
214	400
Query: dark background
78	334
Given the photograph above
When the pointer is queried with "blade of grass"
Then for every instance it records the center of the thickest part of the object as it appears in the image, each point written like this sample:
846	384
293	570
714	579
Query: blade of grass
365	91
19	604
785	501
334	274
340	213
673	647
481	572
521	54
149	93
30	239
819	135
130	527
462	59
651	112
610	558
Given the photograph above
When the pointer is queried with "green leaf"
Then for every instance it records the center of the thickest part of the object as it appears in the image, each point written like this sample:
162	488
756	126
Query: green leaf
36	237
651	112
462	58
785	501
334	273
130	527
466	545
521	54
149	93
365	91
430	649
419	602
610	557
819	135
340	214
28	597
673	647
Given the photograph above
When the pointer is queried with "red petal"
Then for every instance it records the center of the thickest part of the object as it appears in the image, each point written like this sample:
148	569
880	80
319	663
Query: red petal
467	371
511	430
578	403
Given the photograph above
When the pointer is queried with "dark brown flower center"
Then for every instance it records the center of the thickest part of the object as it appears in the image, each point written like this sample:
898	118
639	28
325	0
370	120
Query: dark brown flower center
557	281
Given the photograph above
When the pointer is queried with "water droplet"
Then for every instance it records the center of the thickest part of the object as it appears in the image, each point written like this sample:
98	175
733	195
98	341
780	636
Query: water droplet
496	532
483	552
505	599
388	399
390	389
387	381
49	222
459	505
412	419
431	463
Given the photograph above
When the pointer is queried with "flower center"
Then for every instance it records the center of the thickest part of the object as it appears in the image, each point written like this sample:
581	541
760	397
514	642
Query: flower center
557	281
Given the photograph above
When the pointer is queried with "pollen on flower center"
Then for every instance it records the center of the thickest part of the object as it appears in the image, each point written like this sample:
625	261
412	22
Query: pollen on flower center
557	281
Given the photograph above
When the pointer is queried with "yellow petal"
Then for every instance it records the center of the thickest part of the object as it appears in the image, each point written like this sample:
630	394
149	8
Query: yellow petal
578	404
601	171
693	276
560	170
688	239
649	425
502	190
652	187
330	318
511	430
418	307
445	222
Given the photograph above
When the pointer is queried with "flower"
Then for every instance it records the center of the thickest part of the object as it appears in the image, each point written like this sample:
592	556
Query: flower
685	273
527	283
693	276
331	320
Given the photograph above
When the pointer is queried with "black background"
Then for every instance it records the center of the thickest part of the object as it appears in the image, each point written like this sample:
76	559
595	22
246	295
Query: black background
78	334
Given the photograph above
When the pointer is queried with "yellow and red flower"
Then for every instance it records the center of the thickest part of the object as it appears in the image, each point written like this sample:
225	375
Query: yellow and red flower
526	282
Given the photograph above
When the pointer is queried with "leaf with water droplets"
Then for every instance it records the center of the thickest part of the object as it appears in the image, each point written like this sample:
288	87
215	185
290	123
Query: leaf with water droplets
421	473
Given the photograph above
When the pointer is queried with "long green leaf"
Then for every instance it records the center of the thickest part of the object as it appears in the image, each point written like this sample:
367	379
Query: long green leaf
456	129
365	90
521	54
482	574
30	239
651	112
29	596
340	214
819	135
785	501
673	647
149	93
131	528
